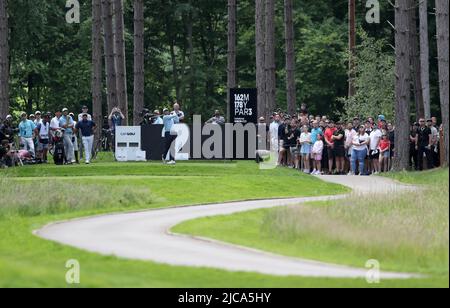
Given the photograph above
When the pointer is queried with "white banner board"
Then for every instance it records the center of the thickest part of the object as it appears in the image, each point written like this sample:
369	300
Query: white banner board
128	144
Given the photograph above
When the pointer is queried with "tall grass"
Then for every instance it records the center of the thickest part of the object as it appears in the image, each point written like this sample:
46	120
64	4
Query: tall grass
412	226
50	196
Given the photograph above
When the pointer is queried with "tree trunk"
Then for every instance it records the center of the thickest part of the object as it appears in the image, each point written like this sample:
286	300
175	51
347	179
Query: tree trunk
138	99
270	65
4	59
231	71
425	57
443	51
415	60
97	66
290	56
351	47
260	62
402	85
190	38
30	86
121	79
110	67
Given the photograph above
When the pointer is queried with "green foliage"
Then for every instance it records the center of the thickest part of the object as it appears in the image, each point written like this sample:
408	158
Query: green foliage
51	60
375	80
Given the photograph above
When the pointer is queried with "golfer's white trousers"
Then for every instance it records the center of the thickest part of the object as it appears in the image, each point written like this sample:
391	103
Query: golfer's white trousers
88	142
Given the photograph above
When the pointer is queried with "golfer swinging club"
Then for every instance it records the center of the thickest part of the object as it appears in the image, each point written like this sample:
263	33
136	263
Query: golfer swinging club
169	120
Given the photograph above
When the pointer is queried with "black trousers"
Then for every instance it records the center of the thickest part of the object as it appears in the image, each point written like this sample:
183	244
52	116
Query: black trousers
429	157
168	139
413	158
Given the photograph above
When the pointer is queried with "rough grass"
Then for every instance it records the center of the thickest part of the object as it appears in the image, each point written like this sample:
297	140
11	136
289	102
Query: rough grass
50	197
413	227
404	232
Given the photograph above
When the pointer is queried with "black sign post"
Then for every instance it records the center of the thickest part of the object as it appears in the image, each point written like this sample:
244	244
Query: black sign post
243	106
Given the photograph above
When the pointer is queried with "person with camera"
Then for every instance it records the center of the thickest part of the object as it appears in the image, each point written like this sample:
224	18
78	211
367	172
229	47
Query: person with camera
6	155
7	130
217	119
116	118
84	110
66	122
26	134
169	120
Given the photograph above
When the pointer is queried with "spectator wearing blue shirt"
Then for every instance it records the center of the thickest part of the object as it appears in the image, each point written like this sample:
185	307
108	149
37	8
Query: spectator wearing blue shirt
169	120
316	130
26	133
86	127
68	124
116	117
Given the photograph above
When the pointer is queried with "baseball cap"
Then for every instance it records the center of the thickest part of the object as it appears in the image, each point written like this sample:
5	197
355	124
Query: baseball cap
65	109
165	110
381	117
37	113
8	117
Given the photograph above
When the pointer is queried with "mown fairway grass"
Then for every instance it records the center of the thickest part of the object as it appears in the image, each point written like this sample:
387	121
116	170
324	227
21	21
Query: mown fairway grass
407	232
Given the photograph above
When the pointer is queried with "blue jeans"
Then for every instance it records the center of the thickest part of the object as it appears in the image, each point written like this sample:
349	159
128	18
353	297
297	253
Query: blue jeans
359	156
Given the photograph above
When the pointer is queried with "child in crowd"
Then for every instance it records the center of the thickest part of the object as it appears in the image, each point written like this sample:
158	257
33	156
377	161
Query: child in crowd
317	155
384	148
305	143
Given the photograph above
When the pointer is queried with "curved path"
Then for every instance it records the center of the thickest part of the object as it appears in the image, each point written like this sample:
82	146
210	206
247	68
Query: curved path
146	236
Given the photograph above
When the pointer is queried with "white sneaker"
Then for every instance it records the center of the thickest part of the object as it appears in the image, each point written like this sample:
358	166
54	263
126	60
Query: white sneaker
172	162
350	173
88	162
314	172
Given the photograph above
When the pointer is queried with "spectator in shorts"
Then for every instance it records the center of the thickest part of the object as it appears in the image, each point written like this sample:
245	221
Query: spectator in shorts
42	132
384	148
316	151
329	142
292	142
283	132
374	152
305	151
338	139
